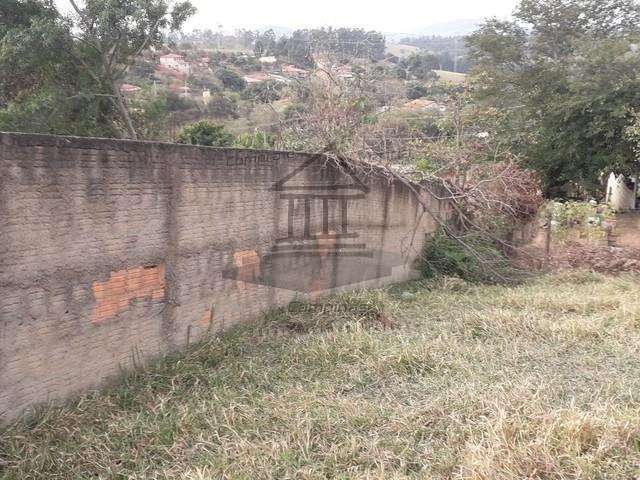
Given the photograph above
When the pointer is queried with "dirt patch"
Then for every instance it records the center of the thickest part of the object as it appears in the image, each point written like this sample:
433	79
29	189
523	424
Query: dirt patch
626	230
614	253
575	255
599	258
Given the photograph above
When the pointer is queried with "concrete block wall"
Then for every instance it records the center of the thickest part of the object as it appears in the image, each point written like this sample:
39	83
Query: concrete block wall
113	251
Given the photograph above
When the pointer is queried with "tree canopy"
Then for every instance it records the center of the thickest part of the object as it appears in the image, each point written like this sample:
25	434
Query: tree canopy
45	90
564	75
66	71
205	133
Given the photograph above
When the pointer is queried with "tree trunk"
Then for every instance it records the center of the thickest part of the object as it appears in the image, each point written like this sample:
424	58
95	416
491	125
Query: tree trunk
122	109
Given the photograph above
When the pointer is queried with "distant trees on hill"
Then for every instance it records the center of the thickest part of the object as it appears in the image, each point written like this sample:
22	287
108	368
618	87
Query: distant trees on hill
418	66
416	90
230	79
451	52
300	47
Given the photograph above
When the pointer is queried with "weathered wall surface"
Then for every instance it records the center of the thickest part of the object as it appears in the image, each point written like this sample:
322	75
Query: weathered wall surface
112	251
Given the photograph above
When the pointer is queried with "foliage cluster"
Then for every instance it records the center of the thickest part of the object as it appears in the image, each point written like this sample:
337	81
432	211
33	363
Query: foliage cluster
590	220
472	257
563	74
205	133
67	70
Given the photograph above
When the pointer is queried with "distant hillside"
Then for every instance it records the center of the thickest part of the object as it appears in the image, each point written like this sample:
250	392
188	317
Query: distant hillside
400	50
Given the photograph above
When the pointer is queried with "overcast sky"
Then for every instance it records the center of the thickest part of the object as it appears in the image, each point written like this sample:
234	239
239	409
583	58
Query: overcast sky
401	16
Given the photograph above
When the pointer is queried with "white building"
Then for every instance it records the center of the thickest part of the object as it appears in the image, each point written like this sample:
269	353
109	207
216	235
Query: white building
258	77
268	60
176	62
622	192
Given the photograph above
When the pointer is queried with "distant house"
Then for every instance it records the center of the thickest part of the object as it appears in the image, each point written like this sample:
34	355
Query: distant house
176	62
129	89
423	104
268	60
343	71
256	77
293	71
171	60
330	72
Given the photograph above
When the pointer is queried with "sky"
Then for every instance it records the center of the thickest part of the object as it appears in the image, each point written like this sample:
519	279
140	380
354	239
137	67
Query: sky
396	16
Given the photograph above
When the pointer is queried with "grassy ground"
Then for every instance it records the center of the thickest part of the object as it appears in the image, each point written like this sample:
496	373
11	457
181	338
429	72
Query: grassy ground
401	50
426	380
452	77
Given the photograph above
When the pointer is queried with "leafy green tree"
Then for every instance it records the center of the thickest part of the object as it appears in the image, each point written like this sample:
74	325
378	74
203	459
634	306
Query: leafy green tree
66	73
451	52
231	79
420	65
223	106
205	133
264	92
176	102
110	34
564	76
297	48
150	116
265	43
400	72
416	90
45	90
247	37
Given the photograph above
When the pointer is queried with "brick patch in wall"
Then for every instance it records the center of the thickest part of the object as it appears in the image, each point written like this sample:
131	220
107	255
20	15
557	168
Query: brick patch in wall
116	294
247	263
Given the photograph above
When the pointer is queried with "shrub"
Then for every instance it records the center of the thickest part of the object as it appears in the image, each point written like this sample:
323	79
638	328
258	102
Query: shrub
264	92
231	79
223	106
256	140
588	219
205	133
178	103
416	90
481	261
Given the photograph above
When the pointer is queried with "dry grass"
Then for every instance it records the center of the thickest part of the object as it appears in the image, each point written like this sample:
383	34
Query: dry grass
401	50
476	382
453	77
